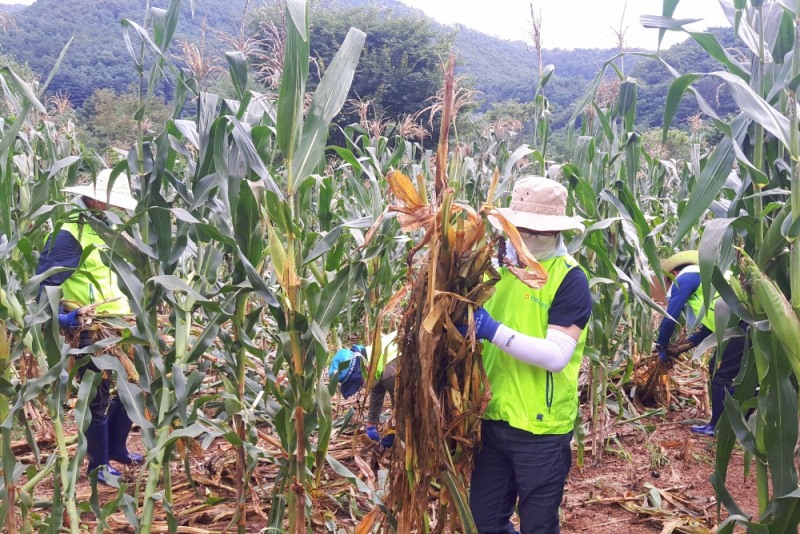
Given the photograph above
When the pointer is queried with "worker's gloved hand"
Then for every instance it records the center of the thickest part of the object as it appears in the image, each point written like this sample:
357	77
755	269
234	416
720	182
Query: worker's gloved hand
485	325
388	440
662	354
372	432
69	321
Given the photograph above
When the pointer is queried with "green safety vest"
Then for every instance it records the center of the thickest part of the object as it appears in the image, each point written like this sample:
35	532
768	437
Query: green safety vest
80	287
695	302
526	396
389	344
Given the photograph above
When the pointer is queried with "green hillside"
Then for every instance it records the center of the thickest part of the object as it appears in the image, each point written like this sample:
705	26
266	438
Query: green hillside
98	57
501	70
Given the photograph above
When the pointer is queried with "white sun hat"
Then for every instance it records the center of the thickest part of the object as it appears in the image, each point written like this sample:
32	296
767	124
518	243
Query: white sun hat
119	196
539	204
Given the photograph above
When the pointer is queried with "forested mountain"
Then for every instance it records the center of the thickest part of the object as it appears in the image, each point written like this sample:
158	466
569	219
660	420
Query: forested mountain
501	70
98	57
12	8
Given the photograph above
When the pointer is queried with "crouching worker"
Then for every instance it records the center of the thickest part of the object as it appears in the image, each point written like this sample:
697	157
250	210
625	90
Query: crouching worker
686	293
88	282
348	362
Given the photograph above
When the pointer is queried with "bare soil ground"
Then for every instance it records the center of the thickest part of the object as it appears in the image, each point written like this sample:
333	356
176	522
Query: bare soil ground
652	482
645	482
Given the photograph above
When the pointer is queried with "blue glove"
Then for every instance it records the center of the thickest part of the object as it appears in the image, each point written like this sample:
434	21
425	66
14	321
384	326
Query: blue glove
662	353
69	321
387	441
372	432
485	325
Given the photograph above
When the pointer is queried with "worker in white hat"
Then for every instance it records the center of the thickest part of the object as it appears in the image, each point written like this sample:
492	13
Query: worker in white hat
91	281
533	342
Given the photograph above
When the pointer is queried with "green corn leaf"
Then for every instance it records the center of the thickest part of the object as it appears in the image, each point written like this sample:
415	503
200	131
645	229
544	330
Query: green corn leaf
328	101
757	109
460	498
666	23
293	78
547	72
83	417
26	91
164	23
716	250
237	66
710	44
709	183
674	96
144	36
782	319
131	396
332	301
175	283
244	142
777	407
792	6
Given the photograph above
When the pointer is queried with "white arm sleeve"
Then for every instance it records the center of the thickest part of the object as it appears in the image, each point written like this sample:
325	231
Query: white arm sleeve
552	353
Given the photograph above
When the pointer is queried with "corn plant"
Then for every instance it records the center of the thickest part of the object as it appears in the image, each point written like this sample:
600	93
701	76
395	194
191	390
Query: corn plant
760	221
36	161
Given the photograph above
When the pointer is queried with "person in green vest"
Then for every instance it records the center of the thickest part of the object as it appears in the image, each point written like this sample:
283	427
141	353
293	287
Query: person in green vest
347	363
533	341
87	282
686	293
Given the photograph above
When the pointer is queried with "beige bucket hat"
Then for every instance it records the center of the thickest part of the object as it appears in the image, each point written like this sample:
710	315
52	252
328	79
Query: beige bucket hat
680	259
539	204
119	196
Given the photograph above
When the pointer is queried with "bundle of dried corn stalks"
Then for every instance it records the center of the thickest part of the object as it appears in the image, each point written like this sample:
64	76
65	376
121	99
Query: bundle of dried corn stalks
442	390
652	376
101	327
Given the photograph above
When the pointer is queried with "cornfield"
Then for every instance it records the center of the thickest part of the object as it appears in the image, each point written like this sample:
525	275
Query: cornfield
256	250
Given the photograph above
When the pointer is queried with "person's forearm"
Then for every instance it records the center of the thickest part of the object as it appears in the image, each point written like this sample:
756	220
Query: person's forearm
665	331
552	353
697	337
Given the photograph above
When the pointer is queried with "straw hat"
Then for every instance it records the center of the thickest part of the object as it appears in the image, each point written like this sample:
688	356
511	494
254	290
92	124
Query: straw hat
119	196
539	204
680	259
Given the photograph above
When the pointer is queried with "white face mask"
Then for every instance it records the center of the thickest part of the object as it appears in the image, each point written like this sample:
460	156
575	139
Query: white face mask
544	247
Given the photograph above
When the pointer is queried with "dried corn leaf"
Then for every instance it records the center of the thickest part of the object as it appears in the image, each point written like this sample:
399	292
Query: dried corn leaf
537	276
368	522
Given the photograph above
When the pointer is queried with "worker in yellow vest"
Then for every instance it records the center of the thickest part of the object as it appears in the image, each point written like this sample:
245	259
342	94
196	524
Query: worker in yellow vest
685	292
533	341
347	362
87	282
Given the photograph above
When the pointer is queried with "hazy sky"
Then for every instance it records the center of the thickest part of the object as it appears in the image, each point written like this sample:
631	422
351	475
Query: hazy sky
565	23
570	23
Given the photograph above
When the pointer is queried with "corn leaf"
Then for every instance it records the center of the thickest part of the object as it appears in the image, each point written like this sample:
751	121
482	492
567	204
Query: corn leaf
293	78
710	181
328	100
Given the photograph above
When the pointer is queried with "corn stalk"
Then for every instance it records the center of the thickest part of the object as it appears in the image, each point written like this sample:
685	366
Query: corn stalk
767	259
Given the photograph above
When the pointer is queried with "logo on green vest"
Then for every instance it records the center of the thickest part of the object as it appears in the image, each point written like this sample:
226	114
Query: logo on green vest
541	304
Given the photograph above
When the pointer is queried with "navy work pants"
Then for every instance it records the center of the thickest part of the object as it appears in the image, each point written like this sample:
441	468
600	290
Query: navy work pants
515	467
722	376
